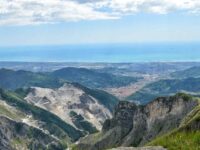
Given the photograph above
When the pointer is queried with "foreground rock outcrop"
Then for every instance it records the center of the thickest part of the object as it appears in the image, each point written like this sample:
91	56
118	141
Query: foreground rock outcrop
185	137
134	125
19	136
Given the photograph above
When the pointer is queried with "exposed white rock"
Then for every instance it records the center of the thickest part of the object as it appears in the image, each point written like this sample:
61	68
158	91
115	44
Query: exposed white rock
69	98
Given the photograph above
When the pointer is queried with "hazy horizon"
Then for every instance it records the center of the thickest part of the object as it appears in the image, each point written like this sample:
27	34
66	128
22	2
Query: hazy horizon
138	52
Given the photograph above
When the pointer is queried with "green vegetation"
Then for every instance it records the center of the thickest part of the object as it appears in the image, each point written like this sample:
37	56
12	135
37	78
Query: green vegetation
13	80
22	92
10	79
18	143
142	97
188	73
92	78
164	88
182	140
192	120
91	139
80	123
10	112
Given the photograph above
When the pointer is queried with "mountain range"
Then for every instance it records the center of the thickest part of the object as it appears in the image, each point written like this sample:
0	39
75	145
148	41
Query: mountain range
69	108
16	79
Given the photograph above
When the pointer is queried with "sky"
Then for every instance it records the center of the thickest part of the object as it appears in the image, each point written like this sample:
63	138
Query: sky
60	22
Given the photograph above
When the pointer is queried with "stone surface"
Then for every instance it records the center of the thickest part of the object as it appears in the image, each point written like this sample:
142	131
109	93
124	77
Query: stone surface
19	136
69	98
133	125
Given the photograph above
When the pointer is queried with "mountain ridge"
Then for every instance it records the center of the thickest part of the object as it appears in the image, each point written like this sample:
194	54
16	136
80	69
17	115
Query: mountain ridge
134	125
93	78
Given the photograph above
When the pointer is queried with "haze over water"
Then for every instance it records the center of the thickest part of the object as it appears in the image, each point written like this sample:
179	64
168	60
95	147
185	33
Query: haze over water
151	52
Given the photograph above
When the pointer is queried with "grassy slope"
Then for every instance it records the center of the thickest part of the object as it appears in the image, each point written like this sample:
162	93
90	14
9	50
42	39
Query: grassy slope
186	137
11	112
179	140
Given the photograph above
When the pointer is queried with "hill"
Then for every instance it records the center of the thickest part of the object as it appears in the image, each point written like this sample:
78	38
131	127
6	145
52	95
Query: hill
92	78
188	73
10	79
165	87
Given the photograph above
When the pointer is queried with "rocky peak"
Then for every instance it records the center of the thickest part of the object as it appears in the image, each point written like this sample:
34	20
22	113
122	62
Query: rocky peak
134	125
123	116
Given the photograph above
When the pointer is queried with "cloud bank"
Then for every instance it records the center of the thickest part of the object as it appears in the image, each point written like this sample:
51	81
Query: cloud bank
29	12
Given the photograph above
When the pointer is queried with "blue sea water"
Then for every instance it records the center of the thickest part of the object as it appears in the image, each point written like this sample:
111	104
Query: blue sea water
146	52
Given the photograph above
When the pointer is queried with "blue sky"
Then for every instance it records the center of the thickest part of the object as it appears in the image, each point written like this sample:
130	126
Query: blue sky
56	22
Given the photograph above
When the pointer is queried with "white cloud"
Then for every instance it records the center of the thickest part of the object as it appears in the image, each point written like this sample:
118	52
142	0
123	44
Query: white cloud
152	6
23	12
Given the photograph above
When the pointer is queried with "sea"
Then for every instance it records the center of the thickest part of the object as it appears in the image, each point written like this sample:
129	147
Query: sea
115	52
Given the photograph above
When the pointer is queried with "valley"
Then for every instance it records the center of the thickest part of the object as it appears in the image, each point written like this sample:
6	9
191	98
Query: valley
125	91
100	106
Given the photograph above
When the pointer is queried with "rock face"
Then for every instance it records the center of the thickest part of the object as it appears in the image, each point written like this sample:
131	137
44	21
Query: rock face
19	136
158	117
69	100
134	125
